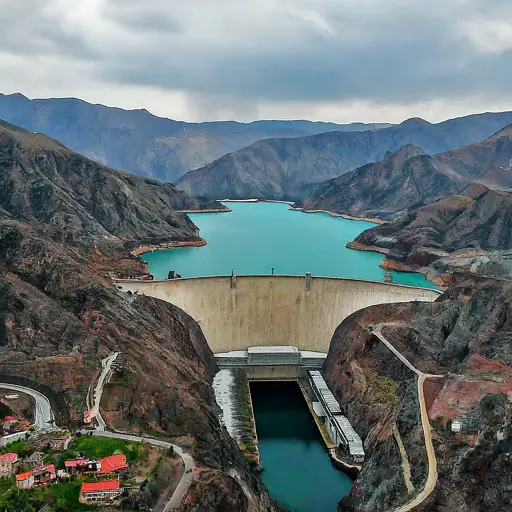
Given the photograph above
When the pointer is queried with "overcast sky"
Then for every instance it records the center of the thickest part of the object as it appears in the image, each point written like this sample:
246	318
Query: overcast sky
331	60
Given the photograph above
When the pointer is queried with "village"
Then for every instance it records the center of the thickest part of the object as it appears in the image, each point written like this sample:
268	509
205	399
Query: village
64	472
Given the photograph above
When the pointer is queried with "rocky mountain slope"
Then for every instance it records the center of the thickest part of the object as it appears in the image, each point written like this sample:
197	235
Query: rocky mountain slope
287	168
142	143
480	220
65	223
409	179
464	336
42	181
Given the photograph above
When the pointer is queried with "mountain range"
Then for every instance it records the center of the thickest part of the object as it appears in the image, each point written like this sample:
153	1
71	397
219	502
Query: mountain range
410	179
479	218
291	168
43	182
66	223
147	145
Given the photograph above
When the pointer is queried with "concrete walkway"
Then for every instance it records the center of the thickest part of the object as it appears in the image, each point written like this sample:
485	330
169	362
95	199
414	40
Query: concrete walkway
188	461
427	429
44	418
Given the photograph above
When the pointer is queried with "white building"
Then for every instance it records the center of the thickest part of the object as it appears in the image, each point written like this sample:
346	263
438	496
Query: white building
273	355
456	427
338	427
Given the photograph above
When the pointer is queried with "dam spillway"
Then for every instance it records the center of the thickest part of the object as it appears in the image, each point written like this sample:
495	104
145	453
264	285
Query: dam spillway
236	313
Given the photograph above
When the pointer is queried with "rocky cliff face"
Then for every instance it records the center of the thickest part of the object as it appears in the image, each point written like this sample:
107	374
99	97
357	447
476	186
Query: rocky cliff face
410	179
288	168
465	336
42	181
455	227
60	315
145	144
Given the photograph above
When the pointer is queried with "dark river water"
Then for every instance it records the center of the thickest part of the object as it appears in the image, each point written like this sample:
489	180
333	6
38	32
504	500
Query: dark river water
298	471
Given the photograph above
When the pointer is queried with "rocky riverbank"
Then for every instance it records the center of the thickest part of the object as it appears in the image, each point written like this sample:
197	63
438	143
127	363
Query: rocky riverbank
335	214
142	249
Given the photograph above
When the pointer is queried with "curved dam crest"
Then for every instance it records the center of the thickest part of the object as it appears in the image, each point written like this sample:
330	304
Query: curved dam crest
246	311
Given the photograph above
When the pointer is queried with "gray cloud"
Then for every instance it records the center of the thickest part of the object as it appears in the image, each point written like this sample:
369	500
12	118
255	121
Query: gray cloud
387	51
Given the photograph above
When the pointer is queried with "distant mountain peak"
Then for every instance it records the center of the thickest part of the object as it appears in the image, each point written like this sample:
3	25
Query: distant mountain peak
405	152
504	132
415	121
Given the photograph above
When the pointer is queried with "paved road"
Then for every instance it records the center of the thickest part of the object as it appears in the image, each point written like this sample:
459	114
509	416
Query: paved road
44	418
188	462
98	390
427	429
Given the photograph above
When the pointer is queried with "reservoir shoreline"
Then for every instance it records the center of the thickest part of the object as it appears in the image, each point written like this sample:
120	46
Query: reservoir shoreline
396	266
293	208
144	249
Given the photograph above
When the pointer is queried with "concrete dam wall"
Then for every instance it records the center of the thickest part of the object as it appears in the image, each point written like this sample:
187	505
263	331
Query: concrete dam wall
247	311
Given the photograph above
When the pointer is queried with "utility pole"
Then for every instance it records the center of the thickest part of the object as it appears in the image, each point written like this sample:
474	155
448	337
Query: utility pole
272	269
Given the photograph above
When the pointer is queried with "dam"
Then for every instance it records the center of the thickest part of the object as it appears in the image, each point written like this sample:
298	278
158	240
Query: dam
238	312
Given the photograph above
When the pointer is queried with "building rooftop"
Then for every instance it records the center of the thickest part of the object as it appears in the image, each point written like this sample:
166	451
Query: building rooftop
309	353
106	485
355	445
354	442
75	463
23	476
13	457
326	396
50	468
232	353
272	349
112	463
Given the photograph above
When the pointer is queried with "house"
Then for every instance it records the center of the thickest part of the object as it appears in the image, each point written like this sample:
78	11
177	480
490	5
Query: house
44	475
112	464
81	466
100	492
8	464
25	480
456	427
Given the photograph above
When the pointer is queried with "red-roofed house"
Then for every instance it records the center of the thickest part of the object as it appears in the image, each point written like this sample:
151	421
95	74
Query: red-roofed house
25	480
44	474
81	466
100	492
112	464
8	463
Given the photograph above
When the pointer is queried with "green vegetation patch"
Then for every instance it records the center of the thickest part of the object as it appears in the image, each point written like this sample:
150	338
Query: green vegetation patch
99	447
383	389
63	497
243	414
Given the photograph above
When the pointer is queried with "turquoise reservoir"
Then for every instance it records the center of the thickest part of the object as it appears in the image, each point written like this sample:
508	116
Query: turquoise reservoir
256	237
298	471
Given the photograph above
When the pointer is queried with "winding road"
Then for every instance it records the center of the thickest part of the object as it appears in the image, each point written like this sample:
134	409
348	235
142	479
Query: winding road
188	461
43	415
106	365
427	429
44	421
